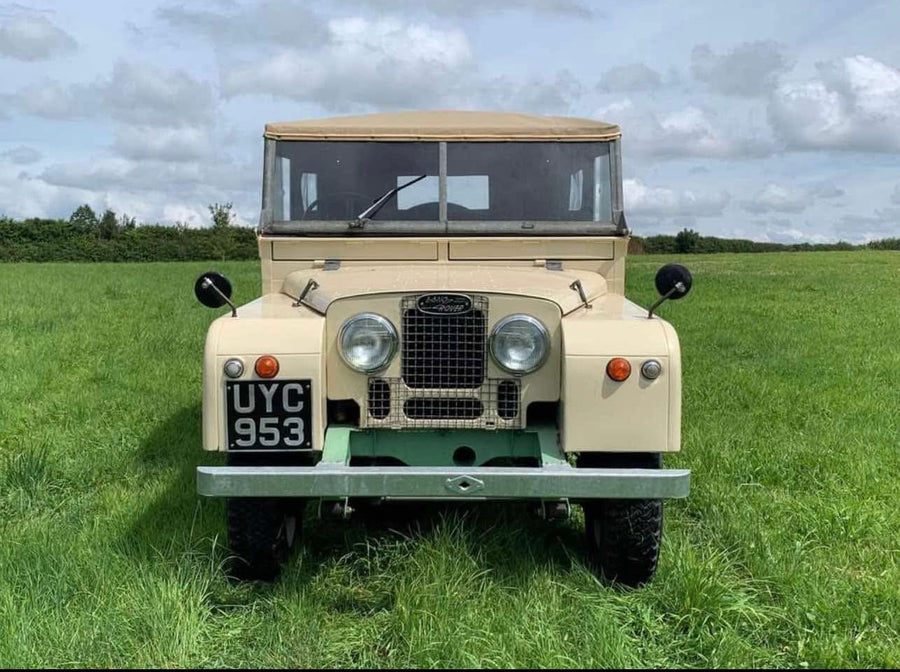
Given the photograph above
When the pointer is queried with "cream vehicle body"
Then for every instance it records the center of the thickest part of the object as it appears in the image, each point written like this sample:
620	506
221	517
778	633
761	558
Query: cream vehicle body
443	317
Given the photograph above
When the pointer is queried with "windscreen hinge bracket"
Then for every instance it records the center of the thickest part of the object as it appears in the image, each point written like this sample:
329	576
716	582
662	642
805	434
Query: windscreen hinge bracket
578	287
310	286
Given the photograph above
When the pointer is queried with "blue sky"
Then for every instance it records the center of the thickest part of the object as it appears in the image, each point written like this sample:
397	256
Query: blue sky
772	120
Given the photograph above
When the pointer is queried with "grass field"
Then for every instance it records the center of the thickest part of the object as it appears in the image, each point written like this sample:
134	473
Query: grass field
787	552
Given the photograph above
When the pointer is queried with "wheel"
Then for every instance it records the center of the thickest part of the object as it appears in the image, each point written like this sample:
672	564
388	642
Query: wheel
623	535
262	530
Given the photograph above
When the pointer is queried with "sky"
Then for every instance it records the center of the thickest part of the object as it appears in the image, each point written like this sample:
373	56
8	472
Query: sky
774	120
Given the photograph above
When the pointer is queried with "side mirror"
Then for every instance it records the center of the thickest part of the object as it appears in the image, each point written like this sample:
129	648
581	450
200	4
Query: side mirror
673	281
214	291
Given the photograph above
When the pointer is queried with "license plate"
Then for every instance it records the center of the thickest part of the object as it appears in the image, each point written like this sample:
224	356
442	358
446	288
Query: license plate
269	415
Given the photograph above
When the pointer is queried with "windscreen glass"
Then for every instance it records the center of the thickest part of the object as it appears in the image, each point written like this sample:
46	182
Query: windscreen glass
528	181
336	181
486	181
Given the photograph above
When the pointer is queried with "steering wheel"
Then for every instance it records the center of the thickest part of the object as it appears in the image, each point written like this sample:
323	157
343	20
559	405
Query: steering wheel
354	201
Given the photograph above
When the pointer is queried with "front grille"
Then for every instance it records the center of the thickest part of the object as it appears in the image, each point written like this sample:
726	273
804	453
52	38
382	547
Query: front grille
443	379
440	352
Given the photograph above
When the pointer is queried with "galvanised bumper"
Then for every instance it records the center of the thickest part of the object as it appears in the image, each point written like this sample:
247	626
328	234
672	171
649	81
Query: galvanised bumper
329	480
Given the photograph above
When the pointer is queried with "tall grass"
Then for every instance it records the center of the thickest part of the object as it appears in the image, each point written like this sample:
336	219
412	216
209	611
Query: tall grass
785	554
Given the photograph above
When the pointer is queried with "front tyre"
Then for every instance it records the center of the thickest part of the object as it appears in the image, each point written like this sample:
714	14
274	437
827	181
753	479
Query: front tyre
261	532
623	535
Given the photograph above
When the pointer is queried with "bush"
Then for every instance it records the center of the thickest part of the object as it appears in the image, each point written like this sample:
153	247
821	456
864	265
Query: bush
886	244
691	242
687	241
84	237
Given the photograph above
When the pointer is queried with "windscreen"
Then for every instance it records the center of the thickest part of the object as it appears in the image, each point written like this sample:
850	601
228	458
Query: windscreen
485	181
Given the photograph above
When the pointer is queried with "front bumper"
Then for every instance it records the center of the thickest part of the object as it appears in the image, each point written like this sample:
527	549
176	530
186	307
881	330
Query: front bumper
329	480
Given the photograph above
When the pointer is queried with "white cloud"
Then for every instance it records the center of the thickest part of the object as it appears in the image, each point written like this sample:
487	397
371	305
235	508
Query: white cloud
22	196
825	190
853	104
781	230
535	94
137	93
641	199
143	93
631	77
686	132
51	100
21	155
31	37
192	216
750	69
180	143
386	63
895	195
116	173
465	8
883	223
775	198
150	190
273	22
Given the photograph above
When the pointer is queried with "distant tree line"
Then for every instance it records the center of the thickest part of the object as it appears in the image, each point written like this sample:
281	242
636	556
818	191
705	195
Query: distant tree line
85	236
688	241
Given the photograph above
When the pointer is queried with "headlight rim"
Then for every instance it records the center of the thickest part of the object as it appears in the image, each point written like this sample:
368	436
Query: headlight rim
542	330
385	322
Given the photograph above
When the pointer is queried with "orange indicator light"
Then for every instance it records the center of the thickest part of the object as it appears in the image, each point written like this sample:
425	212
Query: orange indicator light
618	369
266	366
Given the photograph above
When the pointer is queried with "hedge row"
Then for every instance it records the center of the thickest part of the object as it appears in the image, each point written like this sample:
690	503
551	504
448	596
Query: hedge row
88	240
60	240
690	242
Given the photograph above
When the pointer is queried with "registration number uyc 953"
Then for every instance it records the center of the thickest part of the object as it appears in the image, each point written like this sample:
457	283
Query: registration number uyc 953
269	415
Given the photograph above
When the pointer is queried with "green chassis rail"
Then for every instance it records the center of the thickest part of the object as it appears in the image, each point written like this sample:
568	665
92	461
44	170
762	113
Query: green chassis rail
432	477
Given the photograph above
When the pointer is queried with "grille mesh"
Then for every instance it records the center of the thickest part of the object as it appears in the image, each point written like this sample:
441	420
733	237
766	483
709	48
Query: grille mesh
443	408
443	351
379	400
508	399
493	404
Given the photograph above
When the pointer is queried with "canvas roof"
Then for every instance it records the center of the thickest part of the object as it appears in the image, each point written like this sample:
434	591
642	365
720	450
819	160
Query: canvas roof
445	125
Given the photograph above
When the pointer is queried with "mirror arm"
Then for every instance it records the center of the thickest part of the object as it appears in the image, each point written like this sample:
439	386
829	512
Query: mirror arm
207	283
679	287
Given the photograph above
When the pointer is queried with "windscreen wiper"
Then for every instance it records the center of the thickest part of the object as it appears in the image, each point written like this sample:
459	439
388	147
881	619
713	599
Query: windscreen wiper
373	209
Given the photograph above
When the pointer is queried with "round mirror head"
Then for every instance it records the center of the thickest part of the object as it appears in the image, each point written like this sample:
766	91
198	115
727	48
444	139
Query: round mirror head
673	276
206	286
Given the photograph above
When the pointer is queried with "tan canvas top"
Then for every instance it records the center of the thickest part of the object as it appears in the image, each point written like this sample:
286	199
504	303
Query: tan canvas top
444	125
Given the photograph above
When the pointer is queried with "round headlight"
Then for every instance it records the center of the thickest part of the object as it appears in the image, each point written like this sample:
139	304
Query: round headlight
367	342
520	344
